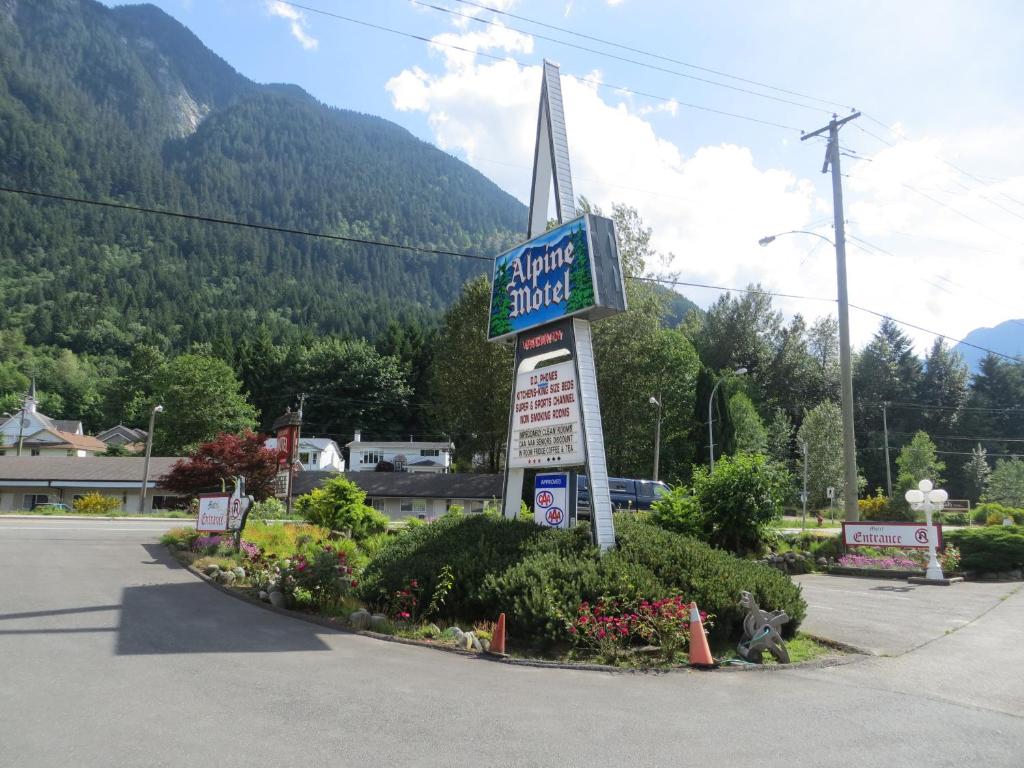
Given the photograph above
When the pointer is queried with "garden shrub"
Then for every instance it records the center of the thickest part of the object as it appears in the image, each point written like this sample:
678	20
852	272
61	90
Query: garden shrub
472	545
993	513
340	505
740	500
538	577
96	503
711	577
678	511
177	536
288	539
876	507
995	548
268	509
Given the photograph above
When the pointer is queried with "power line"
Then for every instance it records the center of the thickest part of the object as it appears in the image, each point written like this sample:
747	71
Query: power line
621	58
934	333
831	104
494	57
237	223
923	407
441	252
970	439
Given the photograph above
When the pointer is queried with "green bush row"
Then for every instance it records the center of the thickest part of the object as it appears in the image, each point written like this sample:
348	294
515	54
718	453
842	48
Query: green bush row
993	548
538	577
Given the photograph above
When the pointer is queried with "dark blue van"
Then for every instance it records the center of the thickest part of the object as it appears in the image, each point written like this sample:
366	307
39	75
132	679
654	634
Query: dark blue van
625	493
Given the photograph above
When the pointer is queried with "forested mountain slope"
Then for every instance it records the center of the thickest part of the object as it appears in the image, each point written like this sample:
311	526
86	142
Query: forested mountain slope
127	105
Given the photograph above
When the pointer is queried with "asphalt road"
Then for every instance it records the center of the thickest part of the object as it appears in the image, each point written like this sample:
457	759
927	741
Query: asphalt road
112	655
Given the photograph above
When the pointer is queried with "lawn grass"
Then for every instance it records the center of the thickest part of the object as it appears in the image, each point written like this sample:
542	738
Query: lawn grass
812	524
801	648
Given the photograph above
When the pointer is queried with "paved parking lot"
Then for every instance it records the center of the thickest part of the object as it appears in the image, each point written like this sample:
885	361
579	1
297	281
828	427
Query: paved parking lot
889	617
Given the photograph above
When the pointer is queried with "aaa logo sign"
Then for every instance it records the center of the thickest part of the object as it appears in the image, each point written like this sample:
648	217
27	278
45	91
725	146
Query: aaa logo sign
551	499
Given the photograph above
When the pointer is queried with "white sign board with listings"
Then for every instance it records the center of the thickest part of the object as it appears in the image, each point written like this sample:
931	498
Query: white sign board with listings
213	512
546	428
551	500
901	535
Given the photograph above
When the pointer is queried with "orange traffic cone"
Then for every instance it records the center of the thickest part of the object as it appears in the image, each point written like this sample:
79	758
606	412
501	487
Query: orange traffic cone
498	638
700	653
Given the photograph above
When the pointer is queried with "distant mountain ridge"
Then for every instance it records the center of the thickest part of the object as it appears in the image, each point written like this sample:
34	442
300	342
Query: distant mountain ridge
126	104
1007	338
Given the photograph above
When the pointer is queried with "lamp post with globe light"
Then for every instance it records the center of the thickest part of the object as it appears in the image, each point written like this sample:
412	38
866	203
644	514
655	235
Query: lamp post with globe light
929	499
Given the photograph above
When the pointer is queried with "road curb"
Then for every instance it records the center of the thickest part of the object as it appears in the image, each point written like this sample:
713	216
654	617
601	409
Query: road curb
329	623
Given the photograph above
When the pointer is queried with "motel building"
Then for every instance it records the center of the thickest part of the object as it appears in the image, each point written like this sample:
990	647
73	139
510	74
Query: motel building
28	482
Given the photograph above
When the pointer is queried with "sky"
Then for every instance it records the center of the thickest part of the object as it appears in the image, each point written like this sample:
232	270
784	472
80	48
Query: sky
933	174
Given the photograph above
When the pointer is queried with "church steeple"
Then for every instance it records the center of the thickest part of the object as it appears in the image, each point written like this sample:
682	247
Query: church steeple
30	397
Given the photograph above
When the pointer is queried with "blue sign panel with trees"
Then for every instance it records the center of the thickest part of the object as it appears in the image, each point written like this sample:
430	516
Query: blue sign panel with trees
570	270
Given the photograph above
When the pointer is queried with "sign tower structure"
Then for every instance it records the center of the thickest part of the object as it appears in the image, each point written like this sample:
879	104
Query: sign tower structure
544	294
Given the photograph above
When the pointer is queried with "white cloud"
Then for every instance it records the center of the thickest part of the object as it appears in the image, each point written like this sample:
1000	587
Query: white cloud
297	22
710	207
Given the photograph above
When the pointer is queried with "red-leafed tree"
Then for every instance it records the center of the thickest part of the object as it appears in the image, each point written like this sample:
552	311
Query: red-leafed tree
222	459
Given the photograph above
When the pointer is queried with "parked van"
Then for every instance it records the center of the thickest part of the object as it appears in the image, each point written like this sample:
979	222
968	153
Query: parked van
625	493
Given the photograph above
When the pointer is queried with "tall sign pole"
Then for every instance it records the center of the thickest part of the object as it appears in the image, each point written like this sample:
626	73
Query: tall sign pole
544	294
852	511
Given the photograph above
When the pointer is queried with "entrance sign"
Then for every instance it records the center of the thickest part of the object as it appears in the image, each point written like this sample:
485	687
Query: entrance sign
546	427
553	276
901	535
213	512
551	500
544	294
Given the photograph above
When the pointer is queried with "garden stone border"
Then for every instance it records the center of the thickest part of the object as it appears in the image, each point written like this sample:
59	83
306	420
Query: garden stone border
875	573
852	654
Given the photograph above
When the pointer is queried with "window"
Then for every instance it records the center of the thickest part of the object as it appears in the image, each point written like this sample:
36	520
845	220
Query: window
414	507
372	457
32	500
313	457
35	451
430	452
377	504
399	463
475	507
71	452
3	453
304	457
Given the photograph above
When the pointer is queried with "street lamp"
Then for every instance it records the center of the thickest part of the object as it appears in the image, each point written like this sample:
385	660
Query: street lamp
656	401
149	450
711	433
929	499
852	511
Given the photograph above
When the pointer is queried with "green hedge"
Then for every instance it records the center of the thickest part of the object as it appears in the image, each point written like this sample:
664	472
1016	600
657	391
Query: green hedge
538	577
472	546
993	548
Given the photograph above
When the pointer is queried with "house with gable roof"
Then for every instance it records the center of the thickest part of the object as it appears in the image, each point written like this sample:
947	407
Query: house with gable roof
35	434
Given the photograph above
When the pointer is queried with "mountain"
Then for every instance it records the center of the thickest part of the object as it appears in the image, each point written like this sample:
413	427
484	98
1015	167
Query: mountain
1007	337
126	105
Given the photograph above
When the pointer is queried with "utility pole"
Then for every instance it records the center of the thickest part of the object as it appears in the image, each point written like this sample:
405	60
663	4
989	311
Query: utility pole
291	464
657	435
888	471
845	363
149	452
803	496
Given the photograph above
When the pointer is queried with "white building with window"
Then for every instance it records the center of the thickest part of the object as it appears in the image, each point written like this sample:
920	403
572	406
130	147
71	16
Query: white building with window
27	483
316	454
424	495
412	456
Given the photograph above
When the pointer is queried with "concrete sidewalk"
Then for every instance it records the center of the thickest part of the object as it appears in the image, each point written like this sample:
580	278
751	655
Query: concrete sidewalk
889	617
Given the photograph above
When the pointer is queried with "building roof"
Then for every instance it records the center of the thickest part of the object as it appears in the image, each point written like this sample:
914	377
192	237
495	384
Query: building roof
126	434
410	445
83	469
68	425
410	484
320	443
64	440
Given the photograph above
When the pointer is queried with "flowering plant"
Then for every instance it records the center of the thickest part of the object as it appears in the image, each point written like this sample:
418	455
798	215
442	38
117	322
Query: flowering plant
209	544
853	560
327	577
608	627
666	623
405	602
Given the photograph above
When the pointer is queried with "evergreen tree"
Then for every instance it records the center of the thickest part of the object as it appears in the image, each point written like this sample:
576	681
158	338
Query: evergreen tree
976	473
501	302
581	285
